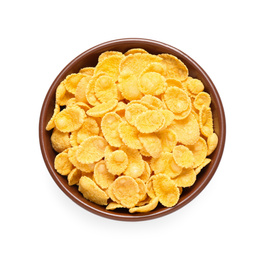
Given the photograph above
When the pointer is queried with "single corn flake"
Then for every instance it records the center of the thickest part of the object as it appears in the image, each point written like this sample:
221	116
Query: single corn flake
152	144
127	85
174	67
136	164
193	86
132	111
169	117
72	80
134	51
50	125
107	54
69	119
87	71
80	93
142	189
91	150
109	66
183	156
109	125
114	205
186	179
199	150
154	101
126	190
172	82
62	164
129	135
91	191
74	176
201	166
102	177
88	128
165	164
90	90
101	109
150	121
105	89
202	99
151	83
62	95
187	130
168	139
177	100
116	162
206	121
212	142
166	190
60	141
84	167
146	173
150	189
146	208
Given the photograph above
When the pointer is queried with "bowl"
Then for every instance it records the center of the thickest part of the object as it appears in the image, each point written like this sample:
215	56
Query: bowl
90	58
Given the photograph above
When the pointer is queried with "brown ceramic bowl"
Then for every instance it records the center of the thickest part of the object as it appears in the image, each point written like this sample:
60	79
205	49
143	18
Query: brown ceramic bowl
89	58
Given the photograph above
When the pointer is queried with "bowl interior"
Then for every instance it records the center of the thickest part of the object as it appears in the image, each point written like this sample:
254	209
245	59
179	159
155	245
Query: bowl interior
90	58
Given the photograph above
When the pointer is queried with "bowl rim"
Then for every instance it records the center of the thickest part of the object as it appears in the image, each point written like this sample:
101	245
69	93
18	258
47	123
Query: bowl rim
142	216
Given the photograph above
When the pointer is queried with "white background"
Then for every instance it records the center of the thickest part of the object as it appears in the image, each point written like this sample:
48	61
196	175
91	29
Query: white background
226	221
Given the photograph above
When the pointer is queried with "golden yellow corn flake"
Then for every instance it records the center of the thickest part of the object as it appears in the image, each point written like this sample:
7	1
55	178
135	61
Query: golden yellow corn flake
166	190
199	150
134	51
91	150
101	109
146	208
202	99
116	162
187	130
91	191
132	111
152	144
87	71
105	89
103	178
168	139
154	101
127	83
50	125
130	132
113	206
107	54
109	125
62	95
72	81
193	86
88	128
174	68
135	162
126	190
150	121
177	100
204	163
80	93
62	164
84	167
183	156
212	142
129	135
109	66
152	83
74	176
60	141
69	119
136	63
206	121
165	164
186	179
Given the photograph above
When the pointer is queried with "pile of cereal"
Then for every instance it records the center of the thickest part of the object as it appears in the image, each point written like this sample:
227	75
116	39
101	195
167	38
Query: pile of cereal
133	131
